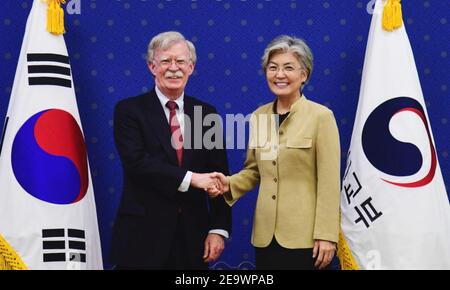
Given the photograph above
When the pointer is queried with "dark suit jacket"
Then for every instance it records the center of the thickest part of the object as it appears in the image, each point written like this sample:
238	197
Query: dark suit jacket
146	221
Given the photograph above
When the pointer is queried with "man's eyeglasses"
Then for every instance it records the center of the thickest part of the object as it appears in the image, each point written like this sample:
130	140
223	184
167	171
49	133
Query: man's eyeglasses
180	62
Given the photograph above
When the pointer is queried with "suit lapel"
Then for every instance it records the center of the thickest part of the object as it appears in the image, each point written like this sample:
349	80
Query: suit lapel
158	121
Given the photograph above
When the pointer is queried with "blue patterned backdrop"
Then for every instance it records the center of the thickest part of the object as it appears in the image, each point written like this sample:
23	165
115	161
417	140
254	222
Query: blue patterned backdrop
107	44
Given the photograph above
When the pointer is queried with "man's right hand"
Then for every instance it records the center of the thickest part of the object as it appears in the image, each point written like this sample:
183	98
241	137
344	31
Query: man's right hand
205	181
224	184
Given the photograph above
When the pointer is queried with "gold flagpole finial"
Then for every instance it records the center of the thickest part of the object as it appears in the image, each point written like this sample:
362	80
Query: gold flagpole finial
55	17
392	15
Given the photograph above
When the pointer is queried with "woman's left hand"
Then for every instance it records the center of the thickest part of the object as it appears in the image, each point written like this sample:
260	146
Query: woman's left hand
324	251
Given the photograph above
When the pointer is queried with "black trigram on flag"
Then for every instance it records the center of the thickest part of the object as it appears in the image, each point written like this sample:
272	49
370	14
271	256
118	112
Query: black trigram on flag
60	245
48	69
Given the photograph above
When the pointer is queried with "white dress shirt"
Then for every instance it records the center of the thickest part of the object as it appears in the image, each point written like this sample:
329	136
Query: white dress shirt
184	186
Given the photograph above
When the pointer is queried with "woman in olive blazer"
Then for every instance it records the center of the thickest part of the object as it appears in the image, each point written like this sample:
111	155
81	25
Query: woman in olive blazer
294	155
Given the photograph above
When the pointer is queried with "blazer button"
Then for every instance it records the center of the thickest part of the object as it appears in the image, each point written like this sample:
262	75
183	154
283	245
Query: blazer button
274	163
274	197
281	132
275	179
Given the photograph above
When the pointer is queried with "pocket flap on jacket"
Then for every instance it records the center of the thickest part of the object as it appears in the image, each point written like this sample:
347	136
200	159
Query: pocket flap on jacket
257	144
299	143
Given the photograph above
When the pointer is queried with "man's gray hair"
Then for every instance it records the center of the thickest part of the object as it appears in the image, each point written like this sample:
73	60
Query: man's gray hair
165	40
297	46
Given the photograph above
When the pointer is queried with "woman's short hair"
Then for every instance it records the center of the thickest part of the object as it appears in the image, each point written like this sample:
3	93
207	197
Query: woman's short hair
286	43
165	40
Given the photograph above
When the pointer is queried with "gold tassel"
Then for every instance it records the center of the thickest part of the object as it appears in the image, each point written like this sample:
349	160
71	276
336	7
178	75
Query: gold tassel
398	16
346	258
55	17
392	15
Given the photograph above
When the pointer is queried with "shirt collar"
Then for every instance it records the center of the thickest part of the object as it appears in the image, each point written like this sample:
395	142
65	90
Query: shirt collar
294	107
163	99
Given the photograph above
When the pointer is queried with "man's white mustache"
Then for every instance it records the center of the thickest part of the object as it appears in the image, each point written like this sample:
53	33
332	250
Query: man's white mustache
177	74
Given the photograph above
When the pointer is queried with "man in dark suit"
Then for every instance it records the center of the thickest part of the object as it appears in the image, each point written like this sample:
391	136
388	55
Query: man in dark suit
165	219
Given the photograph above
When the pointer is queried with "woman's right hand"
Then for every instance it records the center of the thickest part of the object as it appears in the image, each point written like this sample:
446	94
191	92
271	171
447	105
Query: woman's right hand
223	182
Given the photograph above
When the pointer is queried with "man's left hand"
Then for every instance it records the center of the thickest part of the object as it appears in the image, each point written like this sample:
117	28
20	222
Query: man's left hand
214	245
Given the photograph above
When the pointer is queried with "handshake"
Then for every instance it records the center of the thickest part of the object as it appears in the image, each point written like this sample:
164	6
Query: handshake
214	183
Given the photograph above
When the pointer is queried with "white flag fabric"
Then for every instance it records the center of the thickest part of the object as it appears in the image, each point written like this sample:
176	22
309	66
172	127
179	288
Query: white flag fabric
48	217
395	209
